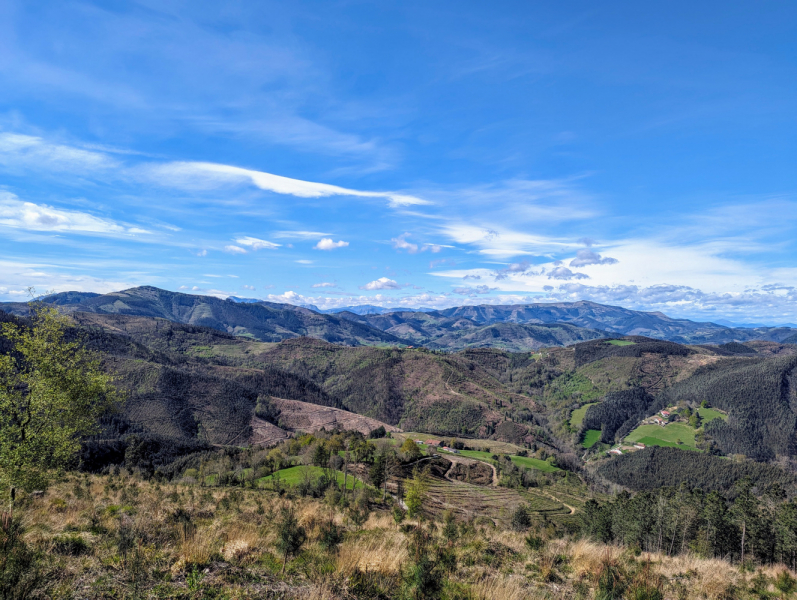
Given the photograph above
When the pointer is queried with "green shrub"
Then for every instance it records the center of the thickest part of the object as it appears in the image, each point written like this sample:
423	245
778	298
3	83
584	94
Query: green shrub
19	574
70	545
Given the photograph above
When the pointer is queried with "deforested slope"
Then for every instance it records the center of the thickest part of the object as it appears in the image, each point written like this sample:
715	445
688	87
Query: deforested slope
415	389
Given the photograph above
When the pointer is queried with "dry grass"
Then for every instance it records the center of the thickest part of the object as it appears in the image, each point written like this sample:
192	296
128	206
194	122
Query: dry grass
236	533
385	552
504	587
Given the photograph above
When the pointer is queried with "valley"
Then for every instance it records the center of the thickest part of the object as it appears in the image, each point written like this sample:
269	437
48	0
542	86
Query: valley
552	441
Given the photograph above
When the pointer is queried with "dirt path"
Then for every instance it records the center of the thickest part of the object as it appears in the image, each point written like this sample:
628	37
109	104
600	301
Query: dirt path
552	497
448	387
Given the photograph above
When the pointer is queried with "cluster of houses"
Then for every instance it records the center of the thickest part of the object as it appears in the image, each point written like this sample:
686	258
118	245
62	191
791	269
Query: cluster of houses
661	418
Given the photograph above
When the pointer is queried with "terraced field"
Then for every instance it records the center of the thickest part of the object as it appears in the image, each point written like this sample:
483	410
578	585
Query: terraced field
471	501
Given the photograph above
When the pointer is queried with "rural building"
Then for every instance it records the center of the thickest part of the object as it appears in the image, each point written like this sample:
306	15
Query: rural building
639	445
615	451
665	414
432	442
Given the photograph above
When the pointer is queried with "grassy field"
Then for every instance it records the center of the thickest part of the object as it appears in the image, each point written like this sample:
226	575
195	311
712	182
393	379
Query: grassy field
577	416
591	438
295	475
655	435
533	463
621	342
709	414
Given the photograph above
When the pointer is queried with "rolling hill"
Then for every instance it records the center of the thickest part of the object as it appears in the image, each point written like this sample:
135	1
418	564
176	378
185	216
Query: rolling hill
261	321
517	328
588	315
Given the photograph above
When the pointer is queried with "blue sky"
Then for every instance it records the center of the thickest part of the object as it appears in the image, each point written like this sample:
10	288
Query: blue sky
404	153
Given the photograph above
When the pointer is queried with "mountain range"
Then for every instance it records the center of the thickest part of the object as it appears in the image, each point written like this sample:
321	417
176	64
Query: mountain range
516	328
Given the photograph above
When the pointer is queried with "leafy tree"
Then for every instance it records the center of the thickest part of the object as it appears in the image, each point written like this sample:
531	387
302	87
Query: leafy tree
52	391
398	514
520	518
377	473
290	535
321	455
416	492
410	451
377	433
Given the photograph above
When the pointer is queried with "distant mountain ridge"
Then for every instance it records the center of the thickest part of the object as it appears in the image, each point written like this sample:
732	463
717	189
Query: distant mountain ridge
520	327
263	321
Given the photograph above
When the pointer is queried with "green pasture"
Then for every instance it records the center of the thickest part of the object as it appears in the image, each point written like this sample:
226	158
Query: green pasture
709	414
591	438
621	342
656	435
577	416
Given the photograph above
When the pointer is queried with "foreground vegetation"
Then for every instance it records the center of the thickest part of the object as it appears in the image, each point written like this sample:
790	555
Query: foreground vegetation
120	536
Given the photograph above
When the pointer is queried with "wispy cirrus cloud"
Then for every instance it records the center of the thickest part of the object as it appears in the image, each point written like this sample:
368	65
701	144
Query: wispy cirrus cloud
204	175
19	214
19	151
256	243
401	243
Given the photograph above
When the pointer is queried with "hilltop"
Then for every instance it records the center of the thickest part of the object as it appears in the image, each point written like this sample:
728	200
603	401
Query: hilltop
516	328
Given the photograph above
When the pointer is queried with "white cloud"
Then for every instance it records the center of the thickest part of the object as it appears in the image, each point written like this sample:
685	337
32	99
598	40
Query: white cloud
25	151
565	273
256	244
325	284
304	261
201	175
401	243
202	252
16	277
248	287
588	257
234	249
19	214
383	283
328	244
501	242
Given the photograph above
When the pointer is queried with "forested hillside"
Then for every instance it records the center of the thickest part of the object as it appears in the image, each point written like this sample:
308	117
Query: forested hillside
262	321
517	328
760	397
